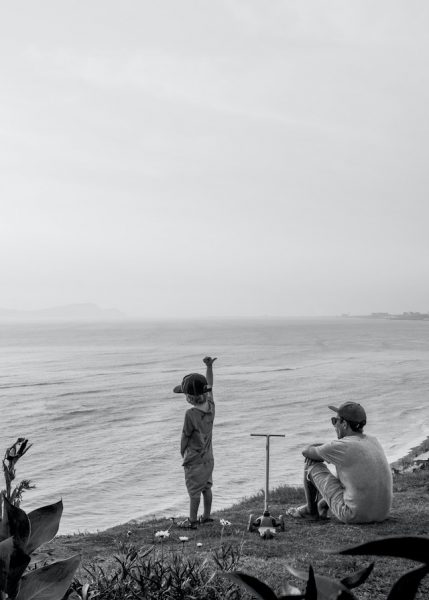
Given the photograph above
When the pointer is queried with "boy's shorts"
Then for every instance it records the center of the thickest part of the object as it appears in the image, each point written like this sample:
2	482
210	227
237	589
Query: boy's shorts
198	478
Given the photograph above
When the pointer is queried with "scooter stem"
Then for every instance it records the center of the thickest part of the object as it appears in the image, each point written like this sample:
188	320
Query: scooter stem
267	463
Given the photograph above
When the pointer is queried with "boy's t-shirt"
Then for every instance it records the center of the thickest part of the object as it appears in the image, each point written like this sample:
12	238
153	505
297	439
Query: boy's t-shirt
197	430
364	472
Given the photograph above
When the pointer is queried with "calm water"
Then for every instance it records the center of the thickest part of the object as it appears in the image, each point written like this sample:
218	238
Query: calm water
96	401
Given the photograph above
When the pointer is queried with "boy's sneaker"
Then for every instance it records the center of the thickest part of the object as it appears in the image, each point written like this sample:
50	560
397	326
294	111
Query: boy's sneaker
188	524
204	520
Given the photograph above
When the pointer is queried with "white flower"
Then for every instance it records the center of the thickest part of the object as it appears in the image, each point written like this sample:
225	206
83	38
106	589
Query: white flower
162	534
225	523
183	538
199	544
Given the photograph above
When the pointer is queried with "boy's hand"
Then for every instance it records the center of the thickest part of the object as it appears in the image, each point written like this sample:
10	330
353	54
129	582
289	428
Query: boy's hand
208	361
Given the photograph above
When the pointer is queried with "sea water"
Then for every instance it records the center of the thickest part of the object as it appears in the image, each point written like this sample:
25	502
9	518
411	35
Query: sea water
96	402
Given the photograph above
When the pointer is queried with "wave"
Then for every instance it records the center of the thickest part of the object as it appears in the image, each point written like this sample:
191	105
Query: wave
25	385
83	393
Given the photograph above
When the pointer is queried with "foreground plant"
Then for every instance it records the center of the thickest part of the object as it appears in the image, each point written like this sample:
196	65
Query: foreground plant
140	574
22	534
11	457
318	587
411	547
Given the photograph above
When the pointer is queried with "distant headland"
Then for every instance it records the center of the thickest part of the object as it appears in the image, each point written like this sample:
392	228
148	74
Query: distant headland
405	316
69	312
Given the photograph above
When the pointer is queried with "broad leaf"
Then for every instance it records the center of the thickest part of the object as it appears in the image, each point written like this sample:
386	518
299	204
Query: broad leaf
44	522
6	549
327	587
311	591
411	547
50	582
357	578
19	561
290	590
15	523
406	586
253	585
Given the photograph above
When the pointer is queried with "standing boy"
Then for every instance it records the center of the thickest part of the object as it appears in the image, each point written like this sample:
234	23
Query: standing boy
196	443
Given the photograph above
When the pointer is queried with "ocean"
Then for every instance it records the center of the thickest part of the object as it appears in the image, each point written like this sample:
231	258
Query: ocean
96	402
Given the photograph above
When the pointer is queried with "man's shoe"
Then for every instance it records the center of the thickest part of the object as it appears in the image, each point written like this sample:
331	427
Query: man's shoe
301	512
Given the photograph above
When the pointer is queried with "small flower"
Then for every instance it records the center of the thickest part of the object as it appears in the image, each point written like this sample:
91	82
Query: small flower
162	534
225	523
129	533
183	538
199	544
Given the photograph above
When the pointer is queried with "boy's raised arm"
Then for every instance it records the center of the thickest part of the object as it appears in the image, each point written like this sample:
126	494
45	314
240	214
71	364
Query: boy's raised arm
208	361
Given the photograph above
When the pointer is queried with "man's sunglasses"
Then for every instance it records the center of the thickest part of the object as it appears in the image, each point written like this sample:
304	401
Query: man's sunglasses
334	420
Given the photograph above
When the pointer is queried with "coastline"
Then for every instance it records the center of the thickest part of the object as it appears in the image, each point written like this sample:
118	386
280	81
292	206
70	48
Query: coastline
406	462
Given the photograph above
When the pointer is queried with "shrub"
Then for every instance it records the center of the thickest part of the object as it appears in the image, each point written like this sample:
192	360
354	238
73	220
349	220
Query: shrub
21	534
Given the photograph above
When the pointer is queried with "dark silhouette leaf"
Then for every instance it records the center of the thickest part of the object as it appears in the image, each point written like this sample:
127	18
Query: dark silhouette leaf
358	578
411	547
44	522
327	587
406	586
289	590
6	549
311	588
15	523
253	585
19	561
50	582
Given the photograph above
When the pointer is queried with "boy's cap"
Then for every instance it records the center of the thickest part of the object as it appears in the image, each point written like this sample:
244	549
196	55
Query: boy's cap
350	411
193	384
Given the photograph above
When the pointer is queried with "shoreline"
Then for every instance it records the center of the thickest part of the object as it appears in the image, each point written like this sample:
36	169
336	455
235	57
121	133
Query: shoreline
406	462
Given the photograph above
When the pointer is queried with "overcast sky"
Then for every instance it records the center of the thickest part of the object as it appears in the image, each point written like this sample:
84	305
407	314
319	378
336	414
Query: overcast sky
224	157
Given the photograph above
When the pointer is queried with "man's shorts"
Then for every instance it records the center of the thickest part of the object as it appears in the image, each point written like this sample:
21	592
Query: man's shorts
198	478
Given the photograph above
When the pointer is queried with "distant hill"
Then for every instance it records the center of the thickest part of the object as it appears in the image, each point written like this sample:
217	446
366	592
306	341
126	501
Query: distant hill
69	312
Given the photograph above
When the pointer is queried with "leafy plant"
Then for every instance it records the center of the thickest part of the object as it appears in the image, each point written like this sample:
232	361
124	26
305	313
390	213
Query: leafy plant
411	547
21	534
318	587
142	573
11	457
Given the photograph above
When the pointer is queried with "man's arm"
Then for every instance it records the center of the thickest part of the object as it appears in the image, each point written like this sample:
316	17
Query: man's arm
312	452
208	361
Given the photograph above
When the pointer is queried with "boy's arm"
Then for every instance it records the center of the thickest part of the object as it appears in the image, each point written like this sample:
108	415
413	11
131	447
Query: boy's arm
186	434
208	361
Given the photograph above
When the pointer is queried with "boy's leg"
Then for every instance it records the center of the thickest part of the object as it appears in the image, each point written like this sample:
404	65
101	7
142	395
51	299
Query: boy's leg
207	501
194	505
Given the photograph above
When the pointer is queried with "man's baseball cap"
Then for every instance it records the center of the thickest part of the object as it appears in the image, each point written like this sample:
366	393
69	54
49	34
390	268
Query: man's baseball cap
350	411
193	384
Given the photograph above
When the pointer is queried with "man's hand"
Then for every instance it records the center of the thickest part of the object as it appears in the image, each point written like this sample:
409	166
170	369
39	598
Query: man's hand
311	453
208	361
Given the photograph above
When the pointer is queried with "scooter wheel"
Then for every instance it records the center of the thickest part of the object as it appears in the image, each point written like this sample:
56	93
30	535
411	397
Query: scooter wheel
250	526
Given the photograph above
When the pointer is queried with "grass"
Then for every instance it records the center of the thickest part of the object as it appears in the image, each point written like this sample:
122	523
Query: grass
302	543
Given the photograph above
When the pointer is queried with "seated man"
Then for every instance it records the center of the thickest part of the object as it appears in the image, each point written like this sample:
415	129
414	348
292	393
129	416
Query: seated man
362	490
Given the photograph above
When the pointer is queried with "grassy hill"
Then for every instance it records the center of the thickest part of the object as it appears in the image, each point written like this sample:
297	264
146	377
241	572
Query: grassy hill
233	547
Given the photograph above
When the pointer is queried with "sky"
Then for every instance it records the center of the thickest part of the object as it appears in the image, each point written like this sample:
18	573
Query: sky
201	158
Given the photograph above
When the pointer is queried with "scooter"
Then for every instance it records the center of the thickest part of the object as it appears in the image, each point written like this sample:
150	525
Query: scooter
266	525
